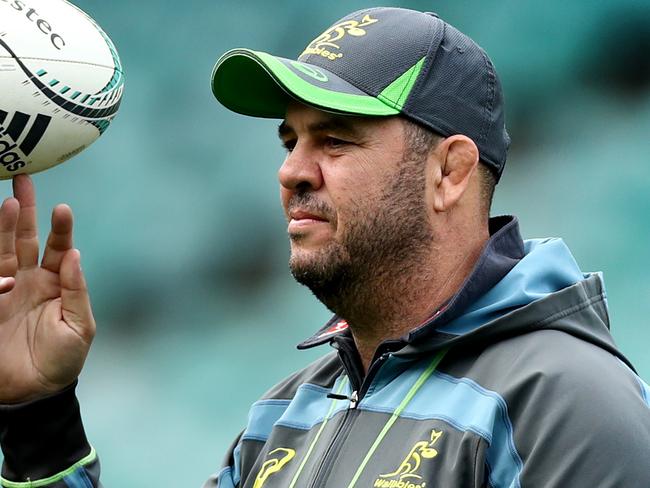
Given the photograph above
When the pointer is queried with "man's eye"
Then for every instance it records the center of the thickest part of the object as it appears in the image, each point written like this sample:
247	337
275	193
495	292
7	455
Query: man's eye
334	142
288	145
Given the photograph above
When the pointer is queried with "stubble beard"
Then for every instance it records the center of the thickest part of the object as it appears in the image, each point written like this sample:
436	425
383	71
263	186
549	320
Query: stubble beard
361	275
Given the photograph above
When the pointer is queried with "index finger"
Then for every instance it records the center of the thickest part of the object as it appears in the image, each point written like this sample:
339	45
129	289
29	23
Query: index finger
26	231
8	220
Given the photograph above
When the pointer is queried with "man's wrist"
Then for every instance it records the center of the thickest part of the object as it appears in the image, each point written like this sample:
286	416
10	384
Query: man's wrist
43	437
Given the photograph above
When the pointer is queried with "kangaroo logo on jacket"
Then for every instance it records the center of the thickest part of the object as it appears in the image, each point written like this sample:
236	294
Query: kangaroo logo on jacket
406	475
277	458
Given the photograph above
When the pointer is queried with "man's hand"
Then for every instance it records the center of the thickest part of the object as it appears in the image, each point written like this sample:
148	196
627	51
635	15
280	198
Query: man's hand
46	322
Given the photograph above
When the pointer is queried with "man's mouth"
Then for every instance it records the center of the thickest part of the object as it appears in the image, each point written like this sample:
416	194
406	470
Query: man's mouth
302	220
302	215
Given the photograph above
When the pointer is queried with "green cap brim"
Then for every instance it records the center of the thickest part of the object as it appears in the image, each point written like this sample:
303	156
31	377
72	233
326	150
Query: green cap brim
261	85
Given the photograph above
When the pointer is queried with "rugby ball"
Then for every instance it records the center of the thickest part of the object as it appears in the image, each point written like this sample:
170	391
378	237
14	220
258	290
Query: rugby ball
61	83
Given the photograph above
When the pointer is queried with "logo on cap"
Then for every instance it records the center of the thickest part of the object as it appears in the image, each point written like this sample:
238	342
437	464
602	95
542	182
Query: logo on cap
326	44
310	71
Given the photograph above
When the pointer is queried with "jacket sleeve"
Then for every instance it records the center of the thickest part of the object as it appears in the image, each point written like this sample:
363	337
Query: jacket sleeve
44	444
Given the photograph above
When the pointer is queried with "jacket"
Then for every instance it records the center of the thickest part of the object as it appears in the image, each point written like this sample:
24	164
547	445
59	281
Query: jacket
515	382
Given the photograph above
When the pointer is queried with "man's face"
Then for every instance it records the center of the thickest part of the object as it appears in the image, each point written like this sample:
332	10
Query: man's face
353	198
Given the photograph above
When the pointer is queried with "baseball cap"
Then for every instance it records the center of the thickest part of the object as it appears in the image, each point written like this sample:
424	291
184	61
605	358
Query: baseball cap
378	62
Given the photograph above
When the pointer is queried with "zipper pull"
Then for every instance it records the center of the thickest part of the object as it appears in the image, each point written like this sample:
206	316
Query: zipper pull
353	398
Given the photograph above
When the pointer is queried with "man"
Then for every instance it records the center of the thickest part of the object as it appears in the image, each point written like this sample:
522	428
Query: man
464	355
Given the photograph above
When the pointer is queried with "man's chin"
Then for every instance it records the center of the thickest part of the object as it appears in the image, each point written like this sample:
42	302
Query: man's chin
305	259
317	261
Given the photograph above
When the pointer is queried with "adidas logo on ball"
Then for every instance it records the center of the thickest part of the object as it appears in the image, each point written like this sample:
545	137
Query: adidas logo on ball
12	155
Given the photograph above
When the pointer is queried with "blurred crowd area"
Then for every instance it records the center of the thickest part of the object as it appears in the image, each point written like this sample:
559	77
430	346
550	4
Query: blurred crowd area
184	243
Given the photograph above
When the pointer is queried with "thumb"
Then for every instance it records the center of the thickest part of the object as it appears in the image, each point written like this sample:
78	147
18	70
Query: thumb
75	302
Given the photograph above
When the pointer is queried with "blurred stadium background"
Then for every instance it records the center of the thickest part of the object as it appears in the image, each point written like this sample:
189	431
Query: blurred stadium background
183	240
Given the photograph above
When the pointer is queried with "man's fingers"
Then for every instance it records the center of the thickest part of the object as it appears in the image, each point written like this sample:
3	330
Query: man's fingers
7	284
75	302
26	231
8	220
60	239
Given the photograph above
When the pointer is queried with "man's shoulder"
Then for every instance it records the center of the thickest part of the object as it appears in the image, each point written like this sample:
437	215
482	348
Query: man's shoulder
574	412
552	368
321	373
555	355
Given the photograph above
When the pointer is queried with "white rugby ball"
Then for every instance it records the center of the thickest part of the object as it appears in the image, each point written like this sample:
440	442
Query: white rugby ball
61	83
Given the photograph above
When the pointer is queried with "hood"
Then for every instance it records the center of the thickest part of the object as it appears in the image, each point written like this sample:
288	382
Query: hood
544	290
546	268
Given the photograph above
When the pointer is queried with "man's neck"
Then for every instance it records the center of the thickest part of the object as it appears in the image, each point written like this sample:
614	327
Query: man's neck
395	303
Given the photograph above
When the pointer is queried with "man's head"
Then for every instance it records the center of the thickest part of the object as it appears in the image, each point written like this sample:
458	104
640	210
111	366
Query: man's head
386	116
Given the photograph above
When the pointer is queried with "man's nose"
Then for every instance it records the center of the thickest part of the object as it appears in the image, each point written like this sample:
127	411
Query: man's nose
301	169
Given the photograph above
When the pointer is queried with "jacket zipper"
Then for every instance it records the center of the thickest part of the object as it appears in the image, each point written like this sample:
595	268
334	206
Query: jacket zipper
375	366
337	441
344	428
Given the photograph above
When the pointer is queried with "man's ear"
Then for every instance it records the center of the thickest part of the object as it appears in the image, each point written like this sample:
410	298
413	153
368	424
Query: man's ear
457	158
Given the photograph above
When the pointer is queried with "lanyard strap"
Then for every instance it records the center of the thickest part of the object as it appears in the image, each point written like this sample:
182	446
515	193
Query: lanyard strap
343	383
